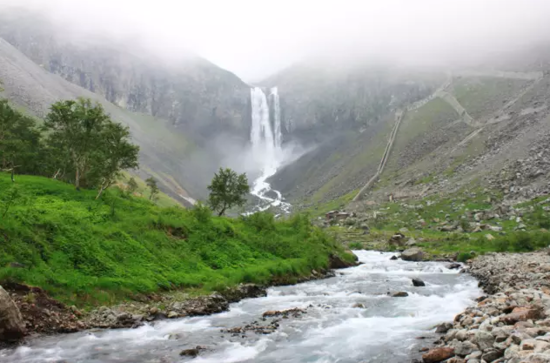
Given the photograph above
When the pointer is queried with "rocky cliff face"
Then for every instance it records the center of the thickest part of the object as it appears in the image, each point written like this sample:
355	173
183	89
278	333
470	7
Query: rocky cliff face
325	97
191	93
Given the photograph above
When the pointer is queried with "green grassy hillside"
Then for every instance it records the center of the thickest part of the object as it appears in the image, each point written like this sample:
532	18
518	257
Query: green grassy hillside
85	251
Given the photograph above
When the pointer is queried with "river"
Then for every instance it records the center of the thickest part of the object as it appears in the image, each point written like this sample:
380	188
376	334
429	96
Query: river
332	329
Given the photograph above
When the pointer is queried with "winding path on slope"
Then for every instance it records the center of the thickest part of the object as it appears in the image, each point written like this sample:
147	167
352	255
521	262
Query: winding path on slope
442	93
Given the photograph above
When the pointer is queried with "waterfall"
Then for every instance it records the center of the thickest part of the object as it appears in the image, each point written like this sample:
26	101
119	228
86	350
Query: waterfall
277	118
266	137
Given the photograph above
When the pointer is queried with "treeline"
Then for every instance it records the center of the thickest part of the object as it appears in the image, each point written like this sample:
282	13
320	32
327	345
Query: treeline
78	143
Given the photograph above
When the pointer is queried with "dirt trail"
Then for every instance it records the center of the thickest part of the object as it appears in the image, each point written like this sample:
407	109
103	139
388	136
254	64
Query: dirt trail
442	93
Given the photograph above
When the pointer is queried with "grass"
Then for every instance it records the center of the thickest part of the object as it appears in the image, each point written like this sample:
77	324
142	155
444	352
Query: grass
458	209
319	209
89	252
484	95
163	200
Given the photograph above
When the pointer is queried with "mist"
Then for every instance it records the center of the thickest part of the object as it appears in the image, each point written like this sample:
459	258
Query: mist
255	40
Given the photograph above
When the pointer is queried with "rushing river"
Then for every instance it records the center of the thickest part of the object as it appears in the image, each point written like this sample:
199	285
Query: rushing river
332	329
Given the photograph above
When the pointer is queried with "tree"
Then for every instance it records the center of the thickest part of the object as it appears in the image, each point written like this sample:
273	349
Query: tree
75	128
153	187
227	189
113	154
19	141
132	186
83	141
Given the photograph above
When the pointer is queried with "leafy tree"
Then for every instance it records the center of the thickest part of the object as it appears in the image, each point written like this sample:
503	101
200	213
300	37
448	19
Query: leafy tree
132	186
19	141
74	128
85	142
113	154
153	187
227	189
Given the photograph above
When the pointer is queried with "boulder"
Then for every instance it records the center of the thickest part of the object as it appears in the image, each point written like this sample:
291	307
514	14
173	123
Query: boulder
393	258
12	328
336	262
412	254
521	314
418	282
436	355
397	239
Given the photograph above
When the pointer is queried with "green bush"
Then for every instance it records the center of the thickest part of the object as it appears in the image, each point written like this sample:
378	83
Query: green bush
355	246
464	256
202	212
541	218
261	221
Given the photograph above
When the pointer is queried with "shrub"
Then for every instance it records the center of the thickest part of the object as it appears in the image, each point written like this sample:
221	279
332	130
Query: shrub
355	246
202	213
464	256
262	221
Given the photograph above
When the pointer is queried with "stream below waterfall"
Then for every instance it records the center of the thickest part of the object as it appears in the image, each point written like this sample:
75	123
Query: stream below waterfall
332	329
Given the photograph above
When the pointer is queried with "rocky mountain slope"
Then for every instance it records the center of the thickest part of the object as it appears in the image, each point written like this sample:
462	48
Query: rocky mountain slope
174	110
473	127
188	90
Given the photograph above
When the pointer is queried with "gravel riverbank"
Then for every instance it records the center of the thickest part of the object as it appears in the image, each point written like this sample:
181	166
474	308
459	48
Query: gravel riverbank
511	323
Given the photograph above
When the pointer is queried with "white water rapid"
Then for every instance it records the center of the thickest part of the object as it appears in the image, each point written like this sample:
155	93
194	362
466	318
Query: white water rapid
333	328
266	137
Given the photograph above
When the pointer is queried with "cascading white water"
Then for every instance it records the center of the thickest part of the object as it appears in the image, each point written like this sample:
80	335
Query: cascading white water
267	148
278	133
349	319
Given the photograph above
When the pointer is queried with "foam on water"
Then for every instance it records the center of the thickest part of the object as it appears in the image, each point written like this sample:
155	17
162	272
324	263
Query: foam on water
332	330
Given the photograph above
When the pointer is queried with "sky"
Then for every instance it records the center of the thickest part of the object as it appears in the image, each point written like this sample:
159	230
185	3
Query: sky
255	38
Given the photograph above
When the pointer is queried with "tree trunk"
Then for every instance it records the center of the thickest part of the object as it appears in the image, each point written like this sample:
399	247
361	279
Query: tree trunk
222	211
77	179
100	192
56	174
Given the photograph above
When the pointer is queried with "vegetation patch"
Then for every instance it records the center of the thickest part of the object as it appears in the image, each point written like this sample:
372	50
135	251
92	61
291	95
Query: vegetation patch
87	251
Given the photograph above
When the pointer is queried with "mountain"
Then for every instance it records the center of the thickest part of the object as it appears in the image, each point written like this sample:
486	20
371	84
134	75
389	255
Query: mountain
480	126
188	91
174	109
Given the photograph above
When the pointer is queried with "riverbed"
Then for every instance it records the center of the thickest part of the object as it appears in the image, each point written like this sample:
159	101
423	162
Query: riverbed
349	318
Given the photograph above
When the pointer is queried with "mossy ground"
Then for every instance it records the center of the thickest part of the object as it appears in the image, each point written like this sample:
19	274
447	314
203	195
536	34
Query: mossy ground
87	252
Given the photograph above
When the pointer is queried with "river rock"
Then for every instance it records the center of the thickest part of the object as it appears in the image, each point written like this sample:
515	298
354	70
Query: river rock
192	352
336	262
443	328
397	239
436	355
484	340
393	258
243	291
412	254
418	282
11	323
400	294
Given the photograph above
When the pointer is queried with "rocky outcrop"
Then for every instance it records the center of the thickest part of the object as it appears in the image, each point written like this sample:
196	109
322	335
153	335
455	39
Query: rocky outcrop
12	328
512	323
